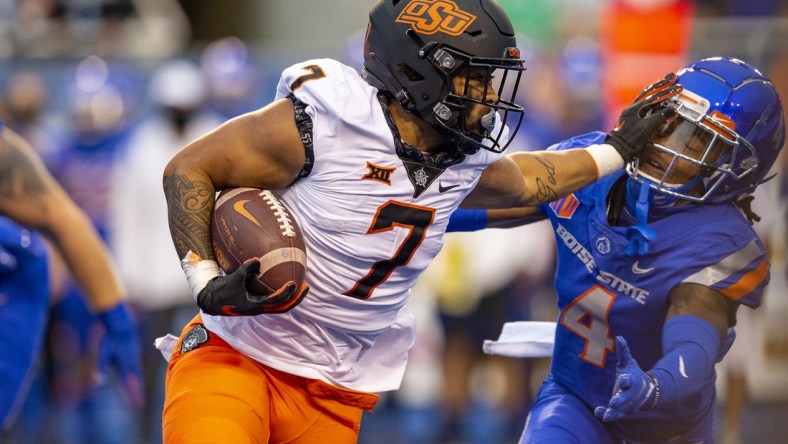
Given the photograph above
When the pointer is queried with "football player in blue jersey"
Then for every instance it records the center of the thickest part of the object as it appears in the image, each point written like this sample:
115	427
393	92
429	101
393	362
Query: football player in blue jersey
32	202
653	265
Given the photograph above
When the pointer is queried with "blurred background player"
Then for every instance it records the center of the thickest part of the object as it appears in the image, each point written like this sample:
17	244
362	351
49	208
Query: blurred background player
25	111
32	202
102	102
653	266
232	77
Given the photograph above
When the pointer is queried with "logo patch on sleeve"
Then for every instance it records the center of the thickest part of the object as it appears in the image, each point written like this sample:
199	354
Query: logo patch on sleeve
565	208
194	338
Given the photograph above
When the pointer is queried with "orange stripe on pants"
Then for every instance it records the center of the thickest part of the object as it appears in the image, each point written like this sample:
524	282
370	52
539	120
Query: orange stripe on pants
215	394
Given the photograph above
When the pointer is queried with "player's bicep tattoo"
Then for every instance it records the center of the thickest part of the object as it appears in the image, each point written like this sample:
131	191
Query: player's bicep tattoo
545	184
190	204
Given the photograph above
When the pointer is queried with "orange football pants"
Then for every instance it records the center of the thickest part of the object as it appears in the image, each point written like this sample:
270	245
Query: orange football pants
215	394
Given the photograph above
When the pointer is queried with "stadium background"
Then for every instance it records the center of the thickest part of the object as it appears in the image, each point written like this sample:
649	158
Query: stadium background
81	77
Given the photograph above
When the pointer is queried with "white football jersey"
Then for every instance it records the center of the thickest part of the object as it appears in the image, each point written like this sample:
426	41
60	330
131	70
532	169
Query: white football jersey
369	235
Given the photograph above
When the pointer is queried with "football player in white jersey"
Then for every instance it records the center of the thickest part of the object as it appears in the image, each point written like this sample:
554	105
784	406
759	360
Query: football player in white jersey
371	165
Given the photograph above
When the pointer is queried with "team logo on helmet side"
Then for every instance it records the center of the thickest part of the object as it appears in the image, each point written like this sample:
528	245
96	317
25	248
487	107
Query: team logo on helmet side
432	16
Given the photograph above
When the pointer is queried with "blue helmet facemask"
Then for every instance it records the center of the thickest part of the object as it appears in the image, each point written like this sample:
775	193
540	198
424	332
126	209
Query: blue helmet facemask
650	192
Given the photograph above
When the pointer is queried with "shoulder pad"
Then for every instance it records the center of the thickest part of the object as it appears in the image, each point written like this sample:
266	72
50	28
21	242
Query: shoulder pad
324	84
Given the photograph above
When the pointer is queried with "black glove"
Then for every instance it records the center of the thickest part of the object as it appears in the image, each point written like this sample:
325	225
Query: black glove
229	295
635	124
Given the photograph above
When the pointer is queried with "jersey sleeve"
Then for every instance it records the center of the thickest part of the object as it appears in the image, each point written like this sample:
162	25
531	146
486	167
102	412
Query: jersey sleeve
580	141
741	275
314	88
322	84
332	104
718	248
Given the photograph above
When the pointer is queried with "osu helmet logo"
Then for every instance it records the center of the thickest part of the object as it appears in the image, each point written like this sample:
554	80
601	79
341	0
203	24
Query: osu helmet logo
431	16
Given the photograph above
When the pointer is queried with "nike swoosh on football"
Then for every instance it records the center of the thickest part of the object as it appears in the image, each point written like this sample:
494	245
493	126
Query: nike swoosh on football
240	209
443	189
637	270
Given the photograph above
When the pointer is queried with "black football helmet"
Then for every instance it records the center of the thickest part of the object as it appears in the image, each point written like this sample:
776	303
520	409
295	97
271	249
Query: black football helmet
414	47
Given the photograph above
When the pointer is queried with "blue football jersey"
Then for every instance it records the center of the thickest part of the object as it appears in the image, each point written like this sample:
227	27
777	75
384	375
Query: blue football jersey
603	293
24	303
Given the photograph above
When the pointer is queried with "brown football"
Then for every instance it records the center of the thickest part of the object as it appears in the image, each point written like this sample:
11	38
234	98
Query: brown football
250	223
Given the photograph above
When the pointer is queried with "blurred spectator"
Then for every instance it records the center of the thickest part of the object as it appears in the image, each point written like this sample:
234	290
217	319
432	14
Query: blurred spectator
101	107
485	398
141	239
561	93
110	28
101	111
232	77
24	110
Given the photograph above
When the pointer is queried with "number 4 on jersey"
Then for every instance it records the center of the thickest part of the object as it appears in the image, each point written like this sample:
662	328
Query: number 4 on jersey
587	317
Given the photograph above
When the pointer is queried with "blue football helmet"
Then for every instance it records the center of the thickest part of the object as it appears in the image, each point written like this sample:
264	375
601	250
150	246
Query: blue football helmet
734	114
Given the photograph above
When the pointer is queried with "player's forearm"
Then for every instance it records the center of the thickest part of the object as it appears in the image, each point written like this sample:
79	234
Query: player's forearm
86	257
550	175
691	345
695	331
190	200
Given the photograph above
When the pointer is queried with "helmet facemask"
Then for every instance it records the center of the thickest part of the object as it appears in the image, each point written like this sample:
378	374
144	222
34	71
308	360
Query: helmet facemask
694	140
476	84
